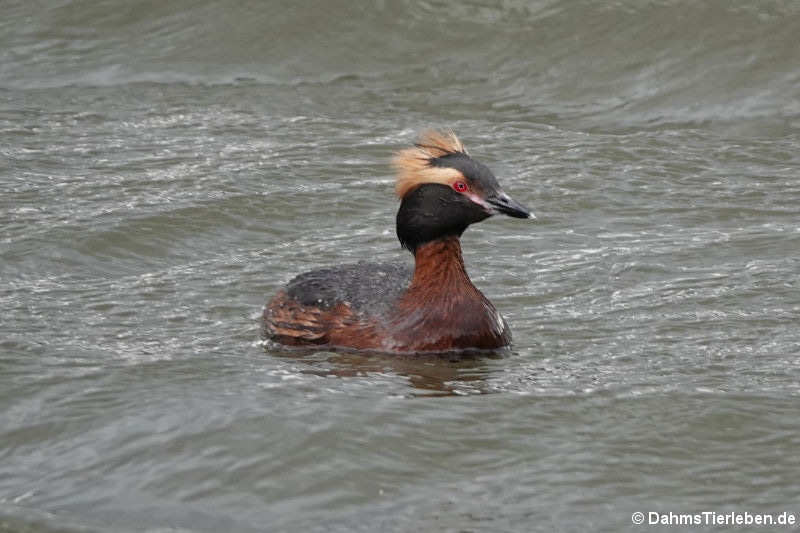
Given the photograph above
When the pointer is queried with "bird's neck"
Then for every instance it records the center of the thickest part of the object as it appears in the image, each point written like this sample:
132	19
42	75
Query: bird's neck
439	269
442	309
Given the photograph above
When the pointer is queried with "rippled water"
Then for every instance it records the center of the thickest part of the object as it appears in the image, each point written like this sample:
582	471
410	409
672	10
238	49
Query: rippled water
166	167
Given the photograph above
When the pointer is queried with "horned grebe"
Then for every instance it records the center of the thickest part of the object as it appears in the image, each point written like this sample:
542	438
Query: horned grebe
392	308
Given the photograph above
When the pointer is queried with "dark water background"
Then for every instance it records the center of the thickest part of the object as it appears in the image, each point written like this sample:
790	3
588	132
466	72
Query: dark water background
166	166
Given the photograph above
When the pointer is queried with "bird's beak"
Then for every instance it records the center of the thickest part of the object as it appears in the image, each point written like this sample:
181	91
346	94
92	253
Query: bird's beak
503	203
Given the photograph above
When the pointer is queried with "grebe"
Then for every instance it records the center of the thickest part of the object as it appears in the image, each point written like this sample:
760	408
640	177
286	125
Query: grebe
392	308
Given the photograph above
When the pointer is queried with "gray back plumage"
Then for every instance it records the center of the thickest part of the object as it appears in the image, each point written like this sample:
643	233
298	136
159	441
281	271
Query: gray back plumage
370	288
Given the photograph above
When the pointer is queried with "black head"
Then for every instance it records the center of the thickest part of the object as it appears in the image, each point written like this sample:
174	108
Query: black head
465	191
433	211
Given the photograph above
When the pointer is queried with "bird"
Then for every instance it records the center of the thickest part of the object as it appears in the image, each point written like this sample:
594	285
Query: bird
390	307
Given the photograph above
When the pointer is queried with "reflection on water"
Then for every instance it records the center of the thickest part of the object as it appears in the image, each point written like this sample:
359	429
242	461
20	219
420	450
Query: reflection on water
444	374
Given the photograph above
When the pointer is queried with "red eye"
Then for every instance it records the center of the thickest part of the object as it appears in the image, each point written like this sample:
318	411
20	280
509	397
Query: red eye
460	186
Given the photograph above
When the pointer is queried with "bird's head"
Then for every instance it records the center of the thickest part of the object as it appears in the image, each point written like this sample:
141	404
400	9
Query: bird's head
443	190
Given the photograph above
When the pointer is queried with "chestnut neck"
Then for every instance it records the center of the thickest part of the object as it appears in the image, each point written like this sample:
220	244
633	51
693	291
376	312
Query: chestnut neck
439	267
442	309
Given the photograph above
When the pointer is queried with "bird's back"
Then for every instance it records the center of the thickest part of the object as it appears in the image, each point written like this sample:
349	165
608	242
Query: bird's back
335	299
366	287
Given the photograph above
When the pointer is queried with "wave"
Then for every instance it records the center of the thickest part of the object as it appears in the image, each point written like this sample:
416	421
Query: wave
655	62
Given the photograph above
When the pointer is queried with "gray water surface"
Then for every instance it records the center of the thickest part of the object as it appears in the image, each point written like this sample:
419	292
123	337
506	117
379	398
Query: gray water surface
164	169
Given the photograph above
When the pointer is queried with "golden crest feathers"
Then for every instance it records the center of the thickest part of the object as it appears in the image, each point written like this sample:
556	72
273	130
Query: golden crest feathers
413	165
